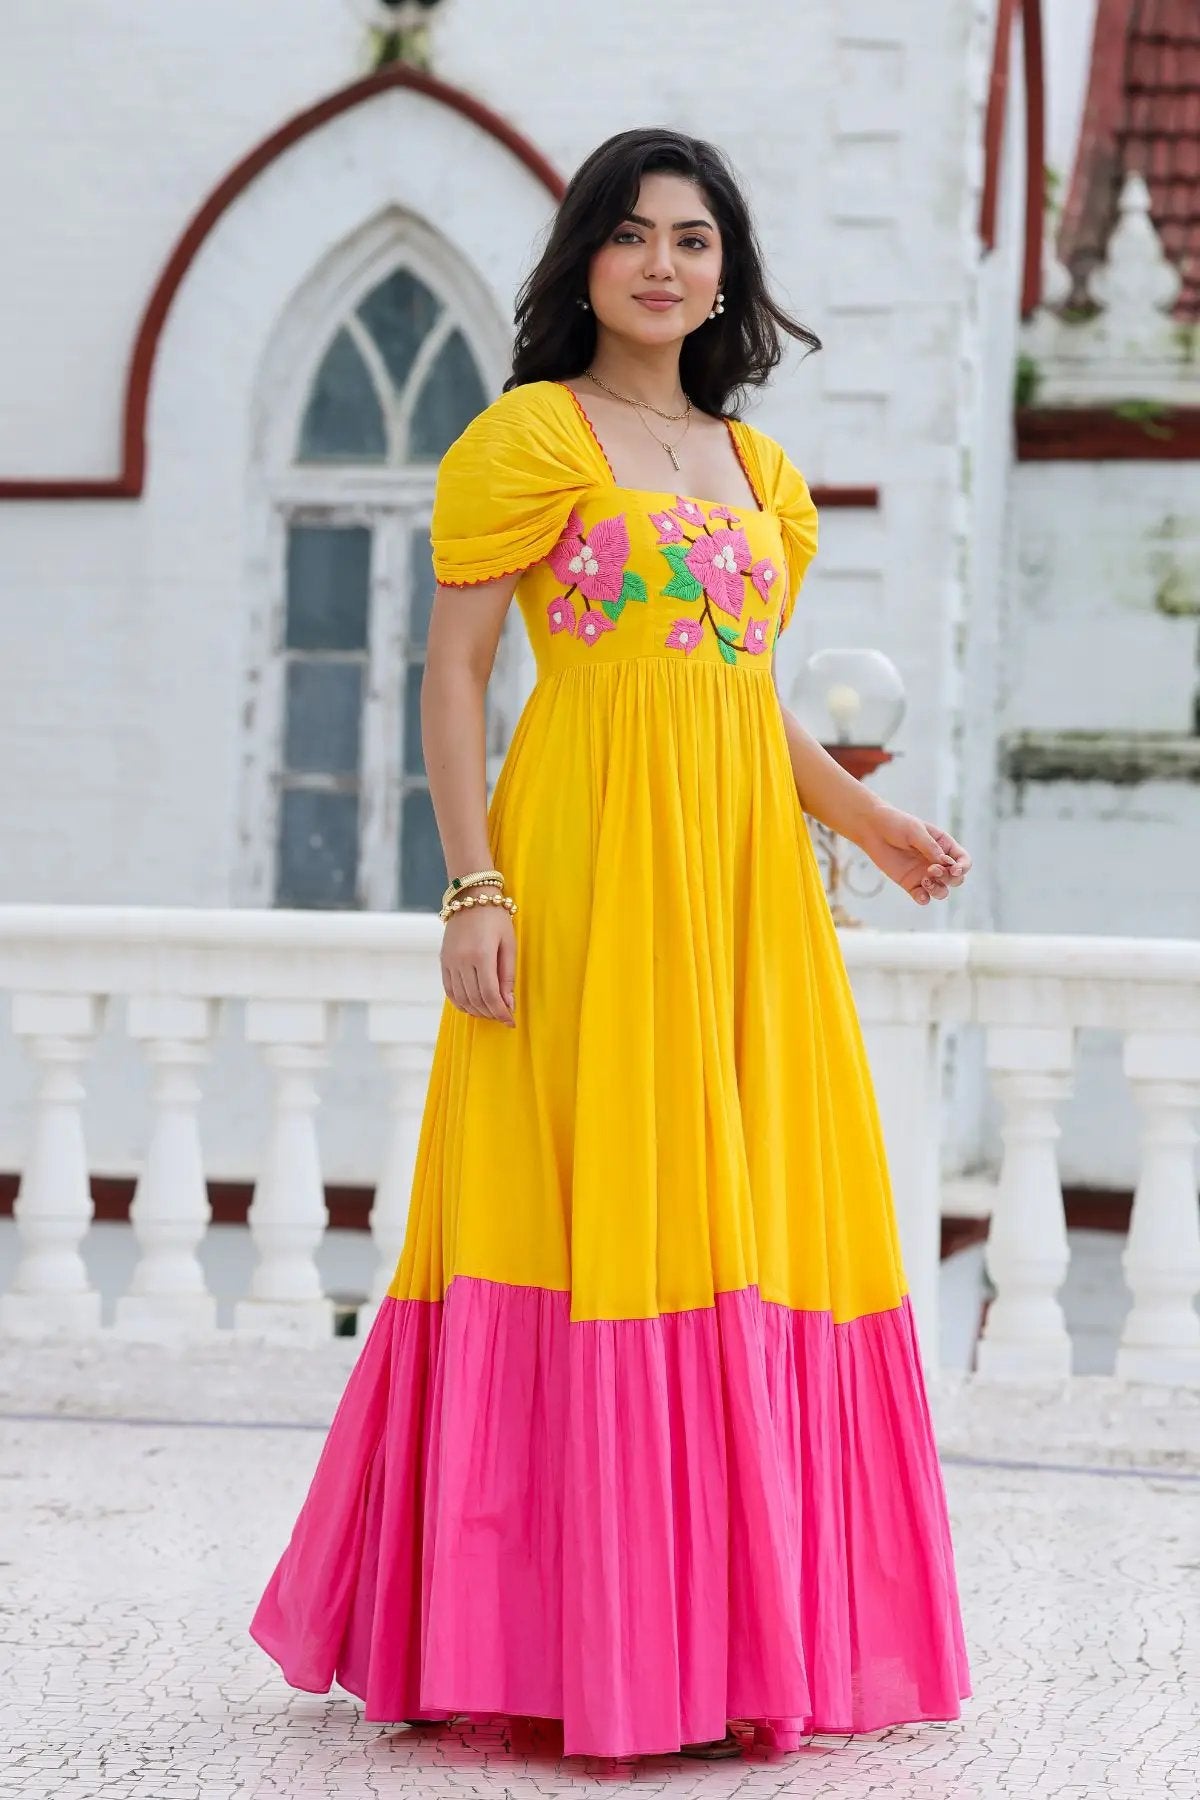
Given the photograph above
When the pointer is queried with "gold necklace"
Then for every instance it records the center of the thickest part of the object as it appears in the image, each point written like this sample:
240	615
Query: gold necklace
630	401
669	448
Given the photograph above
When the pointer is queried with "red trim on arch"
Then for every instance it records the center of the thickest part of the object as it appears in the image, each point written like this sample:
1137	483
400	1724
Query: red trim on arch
993	124
1033	56
1035	154
128	485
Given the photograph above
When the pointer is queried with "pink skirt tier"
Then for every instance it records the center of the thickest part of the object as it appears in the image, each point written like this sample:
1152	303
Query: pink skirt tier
644	1528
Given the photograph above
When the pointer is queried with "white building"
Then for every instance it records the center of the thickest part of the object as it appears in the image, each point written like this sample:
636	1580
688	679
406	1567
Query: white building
254	286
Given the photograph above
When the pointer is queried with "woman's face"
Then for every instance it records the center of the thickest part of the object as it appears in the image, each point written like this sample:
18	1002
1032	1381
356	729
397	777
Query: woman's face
657	276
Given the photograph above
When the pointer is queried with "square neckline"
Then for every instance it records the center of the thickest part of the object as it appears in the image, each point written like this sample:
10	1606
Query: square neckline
619	487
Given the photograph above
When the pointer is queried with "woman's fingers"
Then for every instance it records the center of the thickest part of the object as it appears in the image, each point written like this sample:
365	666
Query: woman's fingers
458	990
506	972
489	994
952	848
922	839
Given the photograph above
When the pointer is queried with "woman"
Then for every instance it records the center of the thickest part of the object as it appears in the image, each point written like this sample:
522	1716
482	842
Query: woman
639	1440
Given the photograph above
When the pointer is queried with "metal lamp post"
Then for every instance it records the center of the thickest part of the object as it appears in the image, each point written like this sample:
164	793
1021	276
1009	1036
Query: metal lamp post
852	701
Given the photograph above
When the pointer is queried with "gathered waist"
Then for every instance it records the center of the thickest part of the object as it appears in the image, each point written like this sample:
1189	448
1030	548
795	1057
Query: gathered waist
664	664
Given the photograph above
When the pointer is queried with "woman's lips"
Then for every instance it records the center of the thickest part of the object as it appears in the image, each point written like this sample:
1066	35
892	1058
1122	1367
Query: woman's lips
657	302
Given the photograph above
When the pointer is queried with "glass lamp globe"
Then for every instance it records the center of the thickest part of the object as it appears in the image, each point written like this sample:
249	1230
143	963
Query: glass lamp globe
850	697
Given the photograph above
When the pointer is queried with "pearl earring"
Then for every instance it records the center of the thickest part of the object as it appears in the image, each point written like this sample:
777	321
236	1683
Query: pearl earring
584	303
719	307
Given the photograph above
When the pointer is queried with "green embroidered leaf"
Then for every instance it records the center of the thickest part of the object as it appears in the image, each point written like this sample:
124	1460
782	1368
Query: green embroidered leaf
725	647
633	587
683	587
614	608
728	633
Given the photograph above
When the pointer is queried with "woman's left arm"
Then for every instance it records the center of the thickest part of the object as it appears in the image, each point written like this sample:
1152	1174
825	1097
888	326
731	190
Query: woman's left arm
921	858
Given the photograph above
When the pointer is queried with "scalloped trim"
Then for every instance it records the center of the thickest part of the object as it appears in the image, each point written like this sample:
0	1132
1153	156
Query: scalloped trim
483	580
582	411
751	483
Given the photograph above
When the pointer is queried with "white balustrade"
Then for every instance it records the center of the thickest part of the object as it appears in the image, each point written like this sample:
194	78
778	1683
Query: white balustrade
1027	1251
1161	1339
406	1043
288	1216
170	1212
905	989
54	1206
177	971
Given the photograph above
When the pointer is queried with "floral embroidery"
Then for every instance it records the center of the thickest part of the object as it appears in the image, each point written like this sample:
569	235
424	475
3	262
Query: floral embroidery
595	563
764	574
718	562
592	564
710	562
713	567
685	634
561	614
593	625
688	511
669	529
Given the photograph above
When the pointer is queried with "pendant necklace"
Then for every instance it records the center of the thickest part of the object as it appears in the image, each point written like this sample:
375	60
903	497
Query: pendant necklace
644	406
669	448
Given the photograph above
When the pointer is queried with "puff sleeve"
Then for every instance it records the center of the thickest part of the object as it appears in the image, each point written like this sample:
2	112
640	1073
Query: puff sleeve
785	493
506	486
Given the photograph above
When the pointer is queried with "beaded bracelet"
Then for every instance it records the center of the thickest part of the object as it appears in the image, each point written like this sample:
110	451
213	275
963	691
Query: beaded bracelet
453	906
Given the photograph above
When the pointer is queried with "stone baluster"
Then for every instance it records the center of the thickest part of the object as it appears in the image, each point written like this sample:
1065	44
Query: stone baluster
288	1215
902	1011
1161	1338
51	1291
168	1295
405	1035
1027	1252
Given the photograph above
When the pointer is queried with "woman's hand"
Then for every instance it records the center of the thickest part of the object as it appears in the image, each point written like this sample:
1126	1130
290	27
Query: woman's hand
923	860
479	962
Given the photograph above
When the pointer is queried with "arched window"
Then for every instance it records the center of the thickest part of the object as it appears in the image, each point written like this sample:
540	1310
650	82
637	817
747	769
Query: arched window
395	385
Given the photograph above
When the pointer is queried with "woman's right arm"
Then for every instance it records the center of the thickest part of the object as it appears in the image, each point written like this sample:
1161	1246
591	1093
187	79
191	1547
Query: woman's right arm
479	943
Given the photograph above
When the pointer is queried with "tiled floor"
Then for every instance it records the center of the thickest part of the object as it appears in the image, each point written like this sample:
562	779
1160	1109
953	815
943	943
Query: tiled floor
138	1526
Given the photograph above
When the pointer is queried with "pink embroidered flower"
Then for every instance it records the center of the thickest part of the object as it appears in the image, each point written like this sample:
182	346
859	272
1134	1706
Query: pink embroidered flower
718	562
593	562
667	528
756	635
593	624
561	614
688	511
763	574
685	634
722	512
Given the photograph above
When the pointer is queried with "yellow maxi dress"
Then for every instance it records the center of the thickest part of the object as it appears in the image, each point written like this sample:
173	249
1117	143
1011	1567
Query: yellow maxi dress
639	1440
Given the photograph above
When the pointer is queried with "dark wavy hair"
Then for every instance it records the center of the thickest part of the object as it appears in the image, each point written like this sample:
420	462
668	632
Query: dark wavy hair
556	337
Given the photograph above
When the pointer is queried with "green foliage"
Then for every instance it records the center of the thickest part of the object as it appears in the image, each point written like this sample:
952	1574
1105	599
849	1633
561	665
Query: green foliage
684	585
1028	380
1151	415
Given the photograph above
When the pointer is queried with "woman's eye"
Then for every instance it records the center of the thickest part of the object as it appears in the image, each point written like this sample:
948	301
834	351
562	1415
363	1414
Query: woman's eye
694	243
626	237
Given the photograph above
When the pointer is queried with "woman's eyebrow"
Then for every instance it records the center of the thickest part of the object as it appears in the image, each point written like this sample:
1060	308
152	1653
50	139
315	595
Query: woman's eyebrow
679	225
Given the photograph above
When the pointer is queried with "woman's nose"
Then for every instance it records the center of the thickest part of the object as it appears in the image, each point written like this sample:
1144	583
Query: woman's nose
660	264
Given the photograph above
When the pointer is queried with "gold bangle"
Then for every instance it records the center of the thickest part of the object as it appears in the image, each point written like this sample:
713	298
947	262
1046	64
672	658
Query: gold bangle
477	875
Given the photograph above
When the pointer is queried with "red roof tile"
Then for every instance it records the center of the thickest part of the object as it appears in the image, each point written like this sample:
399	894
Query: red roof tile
1142	113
